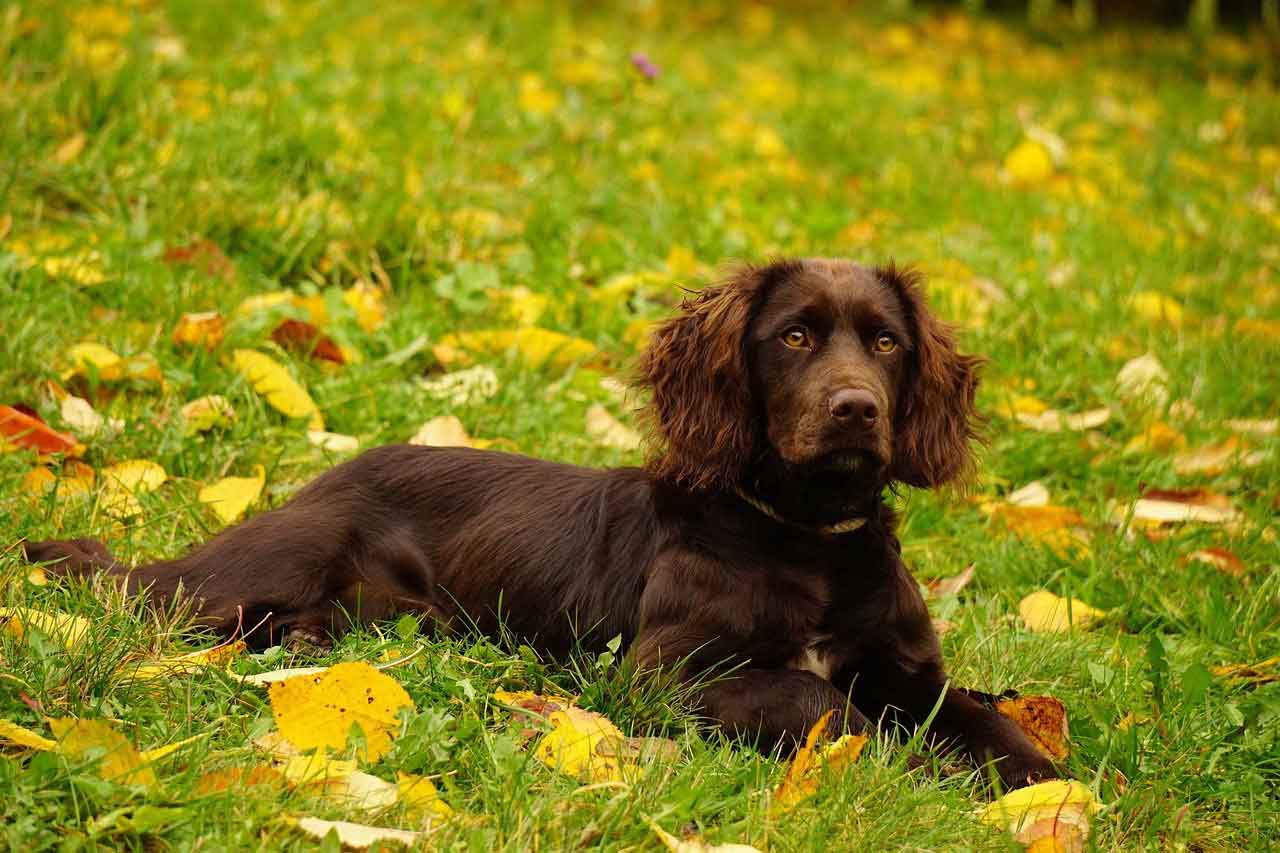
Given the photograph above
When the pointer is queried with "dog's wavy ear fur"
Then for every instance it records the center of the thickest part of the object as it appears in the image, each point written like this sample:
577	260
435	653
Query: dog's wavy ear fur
936	420
701	415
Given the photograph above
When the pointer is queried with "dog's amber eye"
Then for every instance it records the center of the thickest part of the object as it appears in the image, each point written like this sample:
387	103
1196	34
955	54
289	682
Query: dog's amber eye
797	337
885	343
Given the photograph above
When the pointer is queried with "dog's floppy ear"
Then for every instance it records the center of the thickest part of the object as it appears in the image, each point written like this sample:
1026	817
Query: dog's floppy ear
695	368
936	420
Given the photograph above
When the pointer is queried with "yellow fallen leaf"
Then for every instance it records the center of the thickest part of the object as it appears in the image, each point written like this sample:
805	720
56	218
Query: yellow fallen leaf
581	743
1157	308
694	844
1029	163
76	480
14	733
535	98
269	378
1262	672
1021	404
1063	530
186	664
39	481
536	345
1044	612
811	766
369	303
356	836
70	149
609	431
443	431
204	329
124	481
1265	329
1057	810
118	759
230	497
71	631
316	769
317	711
265	302
1044	721
151	756
333	442
1159	437
418	794
89	356
205	413
519	304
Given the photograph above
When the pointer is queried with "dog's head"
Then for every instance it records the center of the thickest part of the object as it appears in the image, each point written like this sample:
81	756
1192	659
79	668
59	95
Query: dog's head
821	371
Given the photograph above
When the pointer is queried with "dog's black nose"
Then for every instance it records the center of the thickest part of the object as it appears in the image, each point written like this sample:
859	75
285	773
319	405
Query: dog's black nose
854	405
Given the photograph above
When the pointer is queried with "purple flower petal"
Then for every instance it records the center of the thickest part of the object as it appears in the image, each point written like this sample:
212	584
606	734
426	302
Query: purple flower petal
644	65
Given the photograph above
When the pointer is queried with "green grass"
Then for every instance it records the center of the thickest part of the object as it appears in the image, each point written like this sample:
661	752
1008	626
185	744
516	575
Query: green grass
317	144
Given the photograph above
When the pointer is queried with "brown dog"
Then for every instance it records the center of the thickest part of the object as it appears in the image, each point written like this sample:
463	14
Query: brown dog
756	545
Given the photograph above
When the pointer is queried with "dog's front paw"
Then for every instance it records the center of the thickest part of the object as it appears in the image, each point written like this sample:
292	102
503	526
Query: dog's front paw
306	640
1019	771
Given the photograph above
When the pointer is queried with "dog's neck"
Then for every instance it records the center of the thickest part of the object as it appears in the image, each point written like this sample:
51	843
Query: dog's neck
822	503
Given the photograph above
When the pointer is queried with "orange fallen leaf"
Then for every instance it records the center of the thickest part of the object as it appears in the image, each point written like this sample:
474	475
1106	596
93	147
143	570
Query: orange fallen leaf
1265	329
306	338
1043	719
1262	672
1062	529
22	430
236	779
1221	559
811	765
204	329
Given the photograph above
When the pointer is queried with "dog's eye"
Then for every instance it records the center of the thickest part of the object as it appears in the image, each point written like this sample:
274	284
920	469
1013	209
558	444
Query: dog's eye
797	337
885	343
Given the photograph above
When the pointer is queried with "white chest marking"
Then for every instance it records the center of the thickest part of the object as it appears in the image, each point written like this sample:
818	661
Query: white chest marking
813	660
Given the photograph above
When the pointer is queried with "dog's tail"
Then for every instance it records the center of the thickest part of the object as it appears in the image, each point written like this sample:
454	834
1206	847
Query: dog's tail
87	557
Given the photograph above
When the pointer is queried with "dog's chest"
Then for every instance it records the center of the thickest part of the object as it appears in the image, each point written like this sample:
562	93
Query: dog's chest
815	656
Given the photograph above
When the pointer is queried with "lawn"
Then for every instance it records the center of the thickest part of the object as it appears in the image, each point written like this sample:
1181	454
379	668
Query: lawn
1087	208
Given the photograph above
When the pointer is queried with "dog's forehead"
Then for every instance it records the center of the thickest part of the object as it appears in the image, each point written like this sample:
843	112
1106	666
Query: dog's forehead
842	287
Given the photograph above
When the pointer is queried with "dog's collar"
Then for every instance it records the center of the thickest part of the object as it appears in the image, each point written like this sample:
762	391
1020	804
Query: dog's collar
847	526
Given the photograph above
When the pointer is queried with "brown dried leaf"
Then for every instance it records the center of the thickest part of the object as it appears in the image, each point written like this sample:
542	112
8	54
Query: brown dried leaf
204	255
1221	559
306	338
941	587
1043	719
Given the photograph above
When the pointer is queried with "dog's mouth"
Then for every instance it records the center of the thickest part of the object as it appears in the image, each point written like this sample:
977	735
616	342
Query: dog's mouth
856	462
